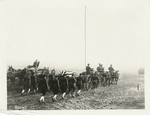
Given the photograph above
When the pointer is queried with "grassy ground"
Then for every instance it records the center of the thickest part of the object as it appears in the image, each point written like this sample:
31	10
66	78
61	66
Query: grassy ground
125	95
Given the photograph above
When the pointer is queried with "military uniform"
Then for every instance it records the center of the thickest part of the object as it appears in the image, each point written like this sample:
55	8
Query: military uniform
43	85
55	86
63	84
12	78
50	80
94	80
71	82
111	70
88	69
79	82
100	69
26	82
33	81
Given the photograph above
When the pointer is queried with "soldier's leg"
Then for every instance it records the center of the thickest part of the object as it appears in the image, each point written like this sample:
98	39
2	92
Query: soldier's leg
70	90
63	95
104	80
55	91
96	83
29	90
73	88
41	99
55	96
34	88
63	89
79	89
43	91
22	91
24	87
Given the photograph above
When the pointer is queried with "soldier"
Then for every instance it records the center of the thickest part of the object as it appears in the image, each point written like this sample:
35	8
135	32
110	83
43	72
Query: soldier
12	78
111	70
71	82
35	63
79	84
88	69
55	87
27	83
63	85
42	86
100	69
94	80
100	73
33	81
38	63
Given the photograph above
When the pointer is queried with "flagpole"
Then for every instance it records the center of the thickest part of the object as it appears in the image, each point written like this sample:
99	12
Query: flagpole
85	37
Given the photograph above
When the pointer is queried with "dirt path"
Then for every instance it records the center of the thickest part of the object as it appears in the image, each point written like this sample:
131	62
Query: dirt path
125	95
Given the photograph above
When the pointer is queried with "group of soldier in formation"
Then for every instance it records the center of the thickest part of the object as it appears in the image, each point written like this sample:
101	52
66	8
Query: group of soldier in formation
60	83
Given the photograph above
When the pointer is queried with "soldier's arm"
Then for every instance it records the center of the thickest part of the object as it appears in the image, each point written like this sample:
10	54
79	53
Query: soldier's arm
29	80
47	83
86	68
113	69
82	79
74	79
90	78
58	84
66	81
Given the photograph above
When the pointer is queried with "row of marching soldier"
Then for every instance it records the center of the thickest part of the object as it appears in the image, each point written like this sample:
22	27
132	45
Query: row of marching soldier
61	82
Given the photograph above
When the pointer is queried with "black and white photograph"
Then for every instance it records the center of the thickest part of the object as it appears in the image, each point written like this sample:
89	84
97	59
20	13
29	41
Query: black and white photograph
77	56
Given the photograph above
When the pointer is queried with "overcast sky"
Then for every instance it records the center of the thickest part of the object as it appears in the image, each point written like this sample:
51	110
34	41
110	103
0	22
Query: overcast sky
55	35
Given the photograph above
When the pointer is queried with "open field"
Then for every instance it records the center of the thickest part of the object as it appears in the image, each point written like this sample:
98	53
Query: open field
125	95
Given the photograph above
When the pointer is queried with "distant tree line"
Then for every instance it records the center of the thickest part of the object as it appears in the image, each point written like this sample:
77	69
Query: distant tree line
141	71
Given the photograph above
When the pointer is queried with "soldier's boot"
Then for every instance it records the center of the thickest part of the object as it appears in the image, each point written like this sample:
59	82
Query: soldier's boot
37	89
63	95
54	98
22	92
70	94
41	99
28	91
78	93
34	91
73	95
